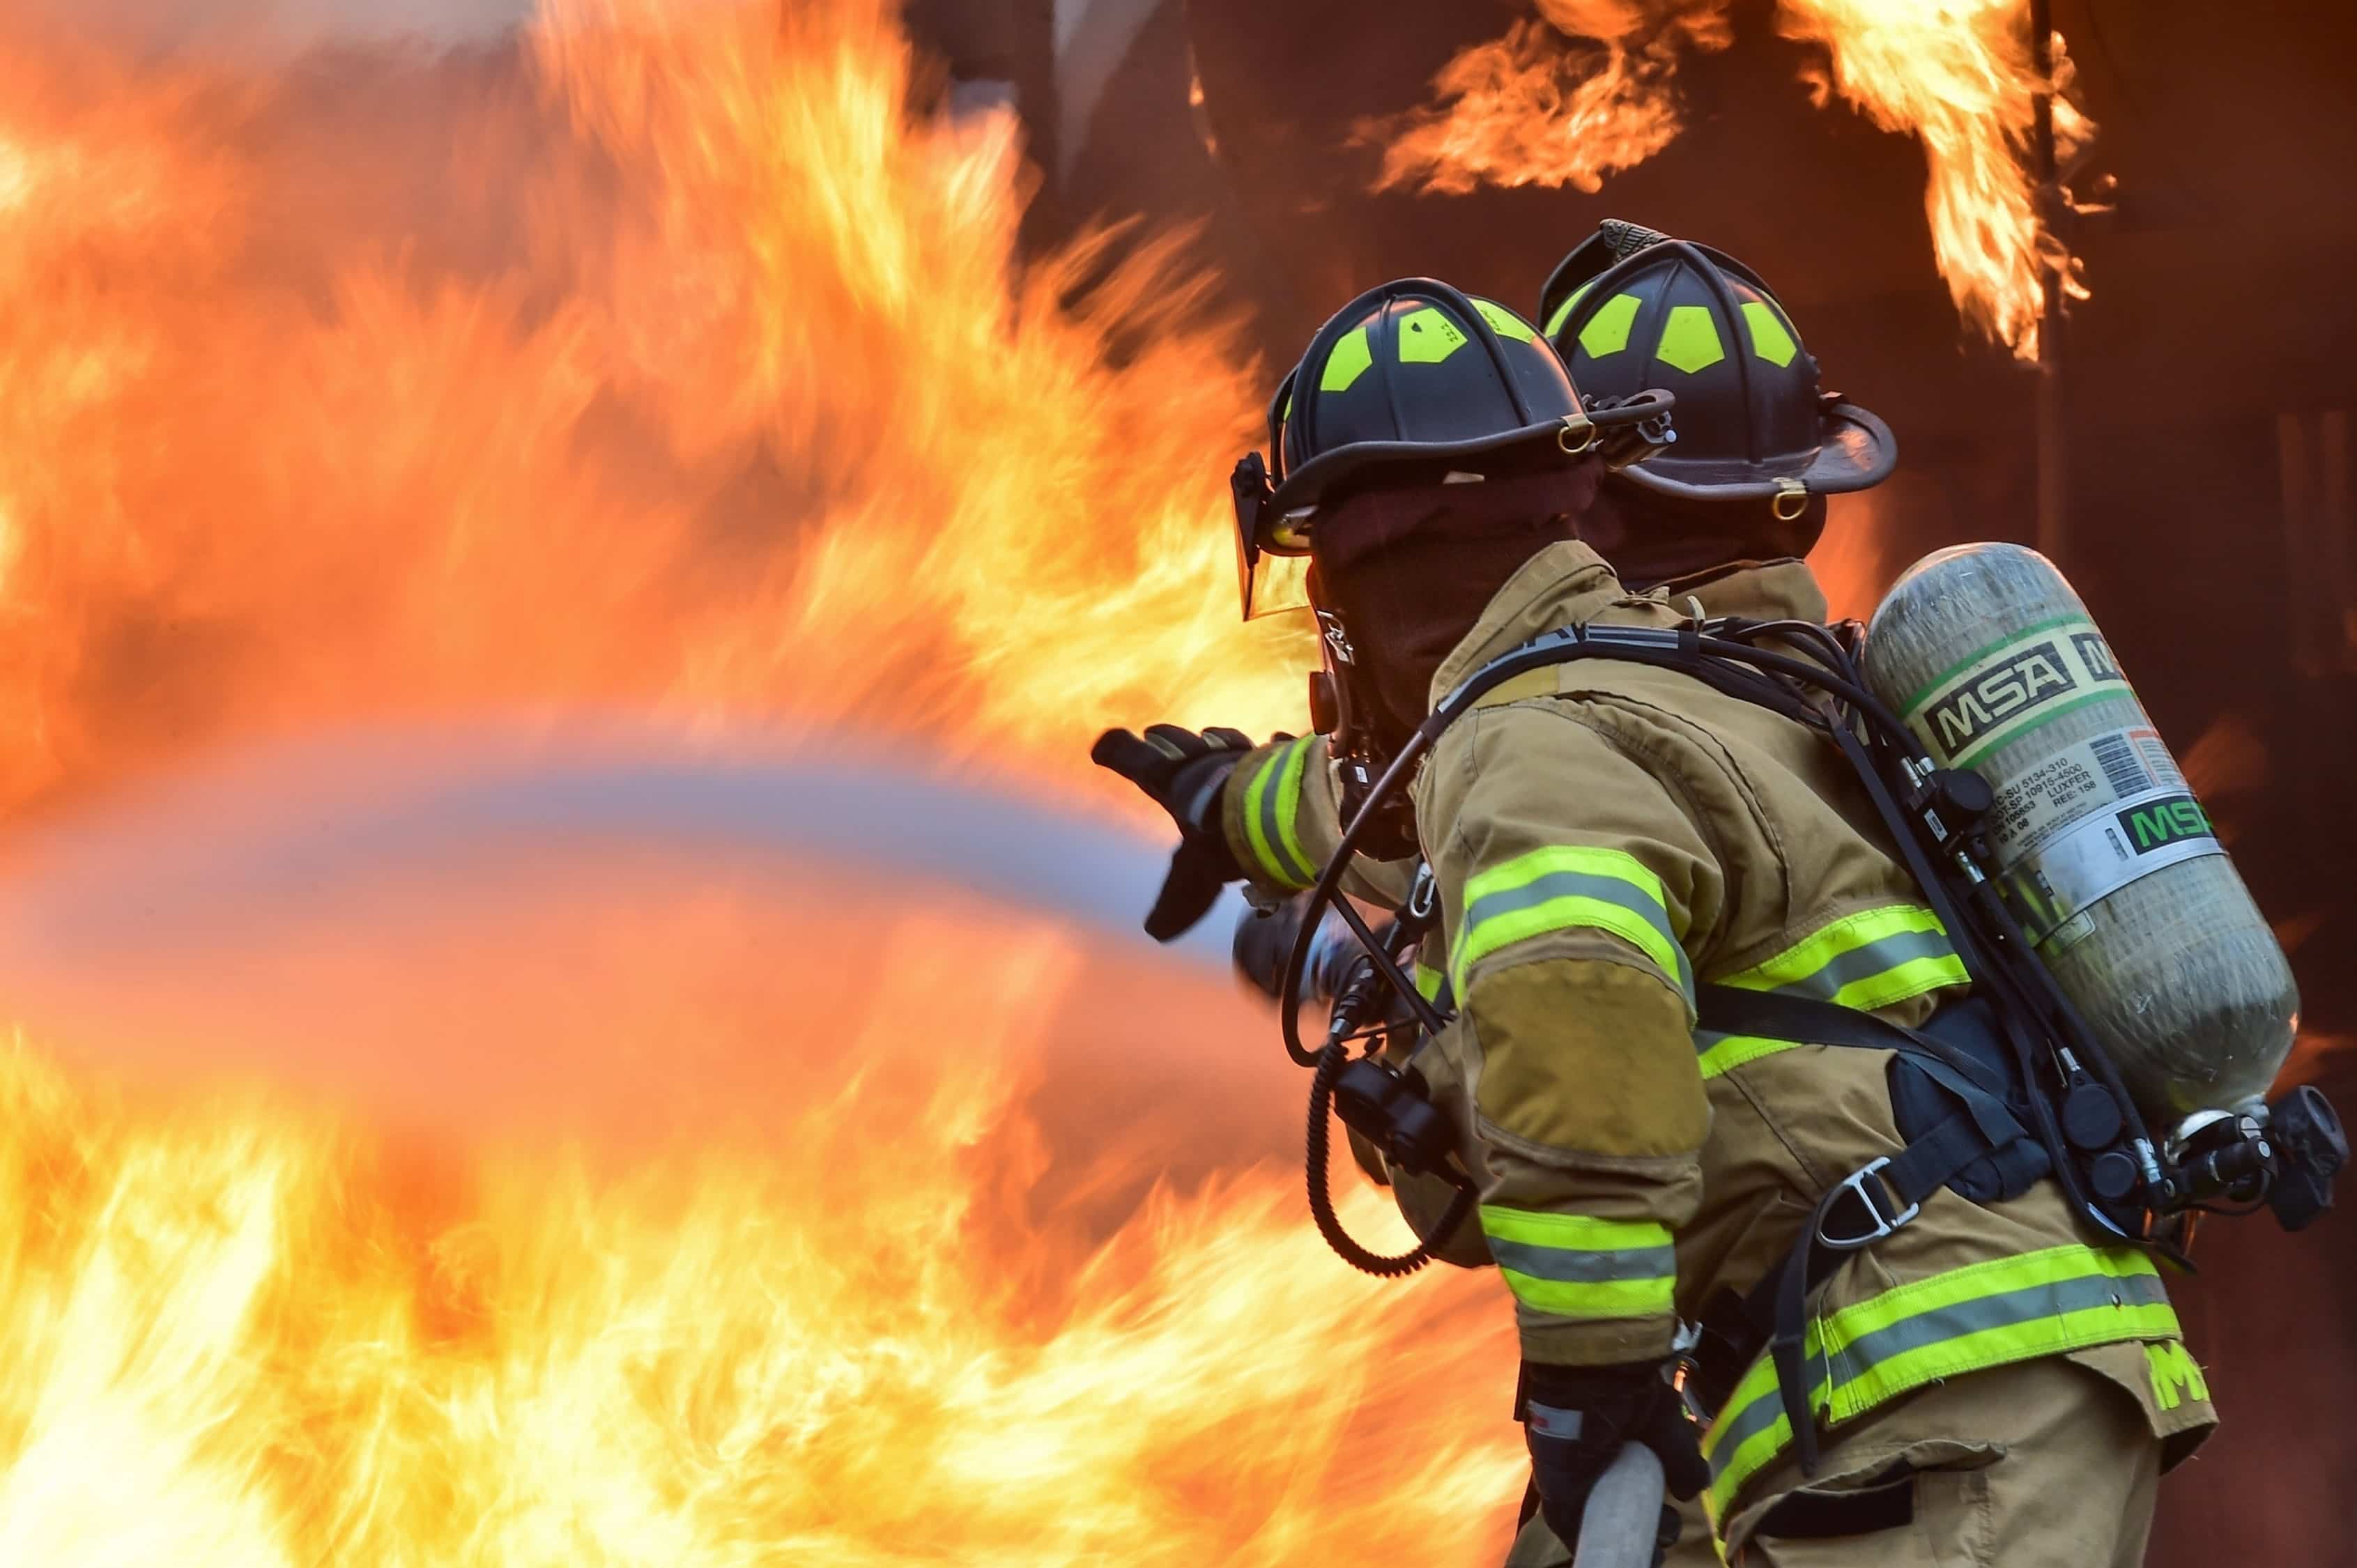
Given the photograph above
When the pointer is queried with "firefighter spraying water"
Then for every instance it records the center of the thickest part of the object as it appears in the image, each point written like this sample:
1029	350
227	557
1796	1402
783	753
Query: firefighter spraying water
1731	1038
561	1163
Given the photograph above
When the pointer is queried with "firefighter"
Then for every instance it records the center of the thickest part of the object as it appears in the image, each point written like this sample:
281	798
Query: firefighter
1987	1383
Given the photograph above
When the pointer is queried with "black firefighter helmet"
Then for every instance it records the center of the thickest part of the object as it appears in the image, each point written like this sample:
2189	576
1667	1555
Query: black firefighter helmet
1412	382
1632	308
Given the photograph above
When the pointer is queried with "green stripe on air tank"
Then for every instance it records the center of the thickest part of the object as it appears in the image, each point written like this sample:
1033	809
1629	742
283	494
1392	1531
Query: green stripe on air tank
1922	693
2044	716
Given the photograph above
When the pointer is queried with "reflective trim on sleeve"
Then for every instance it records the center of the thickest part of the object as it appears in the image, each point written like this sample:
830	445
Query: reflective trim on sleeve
1567	1265
1965	1320
1865	960
1272	808
1564	887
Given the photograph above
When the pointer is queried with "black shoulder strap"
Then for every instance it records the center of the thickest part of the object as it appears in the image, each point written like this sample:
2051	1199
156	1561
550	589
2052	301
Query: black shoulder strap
1724	1010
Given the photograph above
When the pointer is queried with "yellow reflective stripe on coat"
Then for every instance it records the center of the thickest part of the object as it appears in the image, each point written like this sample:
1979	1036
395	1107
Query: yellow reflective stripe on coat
1965	1320
1565	887
1868	960
1430	981
1715	1053
1567	1265
1272	810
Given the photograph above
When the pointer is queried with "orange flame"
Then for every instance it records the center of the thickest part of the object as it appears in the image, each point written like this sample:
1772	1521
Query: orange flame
679	369
240	1332
1962	79
1532	108
1957	74
672	369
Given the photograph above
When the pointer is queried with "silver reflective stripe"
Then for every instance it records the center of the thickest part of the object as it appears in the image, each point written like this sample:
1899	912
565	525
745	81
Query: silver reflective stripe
1864	964
1742	1425
2024	1306
1930	1327
1584	885
1584	1268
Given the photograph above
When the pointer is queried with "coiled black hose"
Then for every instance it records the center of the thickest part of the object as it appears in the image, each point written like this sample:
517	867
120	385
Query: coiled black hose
1331	1063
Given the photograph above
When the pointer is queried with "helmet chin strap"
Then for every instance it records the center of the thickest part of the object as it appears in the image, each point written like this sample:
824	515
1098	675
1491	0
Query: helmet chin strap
1360	750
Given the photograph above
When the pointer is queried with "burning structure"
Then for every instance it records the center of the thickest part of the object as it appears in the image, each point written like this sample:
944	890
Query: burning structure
763	368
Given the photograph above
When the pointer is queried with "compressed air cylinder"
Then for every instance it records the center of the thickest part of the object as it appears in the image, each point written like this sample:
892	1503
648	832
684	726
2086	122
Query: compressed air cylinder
2102	851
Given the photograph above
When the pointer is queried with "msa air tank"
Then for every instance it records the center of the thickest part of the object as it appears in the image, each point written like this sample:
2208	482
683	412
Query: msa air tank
2102	851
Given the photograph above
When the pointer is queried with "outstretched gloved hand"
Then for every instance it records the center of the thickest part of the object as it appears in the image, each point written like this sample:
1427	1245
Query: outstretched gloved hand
1184	773
1576	1420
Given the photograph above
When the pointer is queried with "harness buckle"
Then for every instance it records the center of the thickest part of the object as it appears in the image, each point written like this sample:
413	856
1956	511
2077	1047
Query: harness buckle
1882	1222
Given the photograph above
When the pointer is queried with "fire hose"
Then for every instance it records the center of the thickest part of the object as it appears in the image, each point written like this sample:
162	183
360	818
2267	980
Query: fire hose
1621	1528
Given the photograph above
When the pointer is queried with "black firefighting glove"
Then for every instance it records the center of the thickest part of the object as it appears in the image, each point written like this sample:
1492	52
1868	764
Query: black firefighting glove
1185	774
1576	1420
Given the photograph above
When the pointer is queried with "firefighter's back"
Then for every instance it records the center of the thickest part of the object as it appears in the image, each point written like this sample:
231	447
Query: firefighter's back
1780	880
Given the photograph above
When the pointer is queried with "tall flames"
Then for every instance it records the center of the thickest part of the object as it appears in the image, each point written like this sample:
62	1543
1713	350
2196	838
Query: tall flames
1593	91
676	363
865	1320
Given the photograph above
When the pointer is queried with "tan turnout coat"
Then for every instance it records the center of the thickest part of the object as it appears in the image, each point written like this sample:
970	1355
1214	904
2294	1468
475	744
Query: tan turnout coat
1605	834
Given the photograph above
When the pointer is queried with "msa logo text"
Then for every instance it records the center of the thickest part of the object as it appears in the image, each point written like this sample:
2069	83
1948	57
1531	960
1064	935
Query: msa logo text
2096	656
2157	825
2036	674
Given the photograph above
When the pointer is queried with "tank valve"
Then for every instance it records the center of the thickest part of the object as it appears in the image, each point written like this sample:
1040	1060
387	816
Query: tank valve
2310	1148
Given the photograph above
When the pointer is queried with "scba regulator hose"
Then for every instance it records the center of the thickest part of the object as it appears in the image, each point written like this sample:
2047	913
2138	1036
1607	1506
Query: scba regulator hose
1330	1064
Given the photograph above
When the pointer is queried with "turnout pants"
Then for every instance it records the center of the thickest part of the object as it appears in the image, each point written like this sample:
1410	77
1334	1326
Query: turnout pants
2045	1464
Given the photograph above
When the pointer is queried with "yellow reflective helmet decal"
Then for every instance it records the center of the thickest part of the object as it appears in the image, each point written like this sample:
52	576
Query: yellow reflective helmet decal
1690	341
1348	361
1771	338
1427	337
1505	322
1607	332
1562	312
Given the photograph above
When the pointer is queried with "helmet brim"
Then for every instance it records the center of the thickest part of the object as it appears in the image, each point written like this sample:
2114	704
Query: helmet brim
1409	462
1857	453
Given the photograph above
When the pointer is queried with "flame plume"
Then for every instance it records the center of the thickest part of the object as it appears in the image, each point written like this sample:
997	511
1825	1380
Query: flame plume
240	1332
669	367
1599	95
1533	108
1961	78
681	369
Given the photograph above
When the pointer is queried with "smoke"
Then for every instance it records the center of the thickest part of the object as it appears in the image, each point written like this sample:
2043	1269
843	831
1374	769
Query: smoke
265	30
